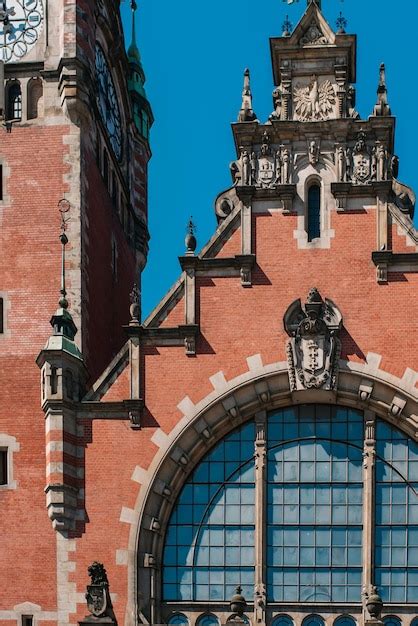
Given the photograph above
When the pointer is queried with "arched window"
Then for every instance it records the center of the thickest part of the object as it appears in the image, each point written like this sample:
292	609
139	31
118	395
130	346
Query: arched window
313	620
178	619
345	620
35	98
207	620
14	101
282	620
314	212
391	620
310	498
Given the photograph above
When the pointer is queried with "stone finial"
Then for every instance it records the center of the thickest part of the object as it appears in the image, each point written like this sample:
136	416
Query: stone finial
287	27
190	239
238	603
135	308
246	113
374	603
382	107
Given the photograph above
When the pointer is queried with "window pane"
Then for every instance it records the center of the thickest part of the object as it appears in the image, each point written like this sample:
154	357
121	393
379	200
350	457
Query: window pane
314	513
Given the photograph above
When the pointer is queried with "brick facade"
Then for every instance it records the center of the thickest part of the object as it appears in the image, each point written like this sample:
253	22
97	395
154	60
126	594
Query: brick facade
212	354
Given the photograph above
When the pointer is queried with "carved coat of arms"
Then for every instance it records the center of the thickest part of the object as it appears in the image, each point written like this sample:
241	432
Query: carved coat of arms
361	160
315	101
313	350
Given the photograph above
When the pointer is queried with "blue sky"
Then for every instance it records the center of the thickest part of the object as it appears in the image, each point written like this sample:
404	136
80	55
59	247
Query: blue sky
194	55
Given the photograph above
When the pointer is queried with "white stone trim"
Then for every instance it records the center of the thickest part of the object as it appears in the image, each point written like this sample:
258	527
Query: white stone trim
67	596
10	444
28	608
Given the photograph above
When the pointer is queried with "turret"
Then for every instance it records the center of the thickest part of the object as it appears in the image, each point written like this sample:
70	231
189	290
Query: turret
142	112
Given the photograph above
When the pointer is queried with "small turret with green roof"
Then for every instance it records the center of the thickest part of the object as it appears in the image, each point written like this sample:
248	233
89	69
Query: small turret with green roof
142	112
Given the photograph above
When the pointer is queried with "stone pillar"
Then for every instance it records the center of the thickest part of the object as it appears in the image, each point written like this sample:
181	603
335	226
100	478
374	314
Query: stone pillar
369	455
260	521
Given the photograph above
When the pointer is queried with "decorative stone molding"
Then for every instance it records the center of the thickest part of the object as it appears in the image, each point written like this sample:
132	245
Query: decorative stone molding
314	348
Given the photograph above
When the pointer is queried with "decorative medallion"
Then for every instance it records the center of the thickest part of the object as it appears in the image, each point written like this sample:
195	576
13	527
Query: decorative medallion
314	348
313	36
315	101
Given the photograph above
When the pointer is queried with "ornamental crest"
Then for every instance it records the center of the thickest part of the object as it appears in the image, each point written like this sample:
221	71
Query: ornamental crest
314	102
361	160
313	36
96	600
314	348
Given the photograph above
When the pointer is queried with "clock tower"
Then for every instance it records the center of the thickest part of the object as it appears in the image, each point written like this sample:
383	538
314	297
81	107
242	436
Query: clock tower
75	124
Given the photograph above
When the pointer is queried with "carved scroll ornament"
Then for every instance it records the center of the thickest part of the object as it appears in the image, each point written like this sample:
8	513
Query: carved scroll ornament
314	348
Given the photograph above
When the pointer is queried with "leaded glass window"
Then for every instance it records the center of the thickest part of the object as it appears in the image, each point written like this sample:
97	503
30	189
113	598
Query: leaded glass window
282	620
210	541
345	620
178	619
313	620
396	533
311	515
314	505
207	620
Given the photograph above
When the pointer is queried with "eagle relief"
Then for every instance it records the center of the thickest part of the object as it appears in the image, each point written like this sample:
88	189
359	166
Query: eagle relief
314	102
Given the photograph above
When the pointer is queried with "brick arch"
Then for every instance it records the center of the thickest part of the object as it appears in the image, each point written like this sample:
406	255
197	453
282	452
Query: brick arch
363	386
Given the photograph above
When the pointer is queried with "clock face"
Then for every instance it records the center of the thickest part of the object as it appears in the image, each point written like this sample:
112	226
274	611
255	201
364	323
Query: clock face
21	23
107	102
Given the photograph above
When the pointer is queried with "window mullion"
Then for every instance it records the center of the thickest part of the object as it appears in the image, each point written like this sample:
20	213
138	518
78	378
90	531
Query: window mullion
260	519
369	504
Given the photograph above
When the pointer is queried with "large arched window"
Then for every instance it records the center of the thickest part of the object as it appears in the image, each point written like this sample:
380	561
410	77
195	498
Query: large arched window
314	212
305	506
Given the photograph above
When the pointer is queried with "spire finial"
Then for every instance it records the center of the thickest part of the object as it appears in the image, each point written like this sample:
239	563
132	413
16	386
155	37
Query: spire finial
246	113
190	240
63	207
134	7
287	27
341	24
382	107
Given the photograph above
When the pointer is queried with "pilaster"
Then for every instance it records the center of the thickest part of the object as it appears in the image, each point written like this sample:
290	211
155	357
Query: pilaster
260	522
369	456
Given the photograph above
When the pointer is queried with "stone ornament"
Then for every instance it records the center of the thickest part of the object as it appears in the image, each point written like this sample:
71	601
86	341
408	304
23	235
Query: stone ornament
98	599
269	167
313	36
314	102
314	151
314	348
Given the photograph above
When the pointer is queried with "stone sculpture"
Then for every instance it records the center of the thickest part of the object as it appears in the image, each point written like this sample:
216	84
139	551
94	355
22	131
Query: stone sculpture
313	350
315	101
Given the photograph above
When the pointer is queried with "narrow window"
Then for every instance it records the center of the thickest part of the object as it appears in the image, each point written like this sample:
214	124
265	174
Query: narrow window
3	467
114	189
105	168
35	98
314	212
1	182
27	620
14	101
1	316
